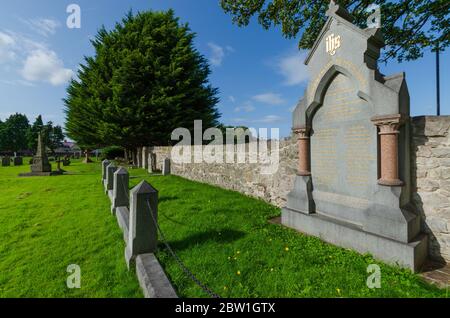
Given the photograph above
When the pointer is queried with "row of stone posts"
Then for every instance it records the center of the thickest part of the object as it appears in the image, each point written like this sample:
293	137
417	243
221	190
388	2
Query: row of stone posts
147	160
136	211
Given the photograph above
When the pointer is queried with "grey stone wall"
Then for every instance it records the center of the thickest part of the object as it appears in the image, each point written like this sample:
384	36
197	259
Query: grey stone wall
245	178
430	165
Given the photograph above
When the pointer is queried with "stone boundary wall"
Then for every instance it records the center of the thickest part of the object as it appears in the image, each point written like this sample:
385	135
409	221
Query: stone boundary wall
431	180
430	174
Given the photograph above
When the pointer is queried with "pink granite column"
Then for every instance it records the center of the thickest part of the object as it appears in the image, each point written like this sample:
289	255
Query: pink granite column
303	151
388	131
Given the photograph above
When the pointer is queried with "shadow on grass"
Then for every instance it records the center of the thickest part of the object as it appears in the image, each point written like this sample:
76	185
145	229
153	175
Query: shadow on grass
165	198
222	236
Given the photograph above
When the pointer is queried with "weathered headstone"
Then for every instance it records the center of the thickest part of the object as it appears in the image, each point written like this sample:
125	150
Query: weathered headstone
18	161
142	235
40	161
353	182
166	167
6	161
120	189
41	165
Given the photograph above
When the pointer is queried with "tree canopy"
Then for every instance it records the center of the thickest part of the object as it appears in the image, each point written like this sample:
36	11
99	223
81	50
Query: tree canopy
145	80
16	134
13	133
410	26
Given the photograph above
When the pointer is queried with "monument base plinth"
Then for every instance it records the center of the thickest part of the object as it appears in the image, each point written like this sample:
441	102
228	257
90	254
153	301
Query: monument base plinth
41	174
409	255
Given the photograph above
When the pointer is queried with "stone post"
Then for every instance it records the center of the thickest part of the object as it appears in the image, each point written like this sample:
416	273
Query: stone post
388	130
145	157
142	235
166	167
303	151
18	161
105	163
110	169
120	189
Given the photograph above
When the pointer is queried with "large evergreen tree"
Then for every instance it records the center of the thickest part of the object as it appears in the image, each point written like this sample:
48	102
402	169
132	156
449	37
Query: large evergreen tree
409	26
145	80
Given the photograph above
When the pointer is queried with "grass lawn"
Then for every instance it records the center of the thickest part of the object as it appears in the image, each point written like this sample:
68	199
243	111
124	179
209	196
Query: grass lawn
48	223
222	236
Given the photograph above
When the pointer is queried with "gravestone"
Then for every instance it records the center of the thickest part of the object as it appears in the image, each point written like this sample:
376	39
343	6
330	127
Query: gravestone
40	161
353	185
18	161
66	161
40	165
166	167
6	161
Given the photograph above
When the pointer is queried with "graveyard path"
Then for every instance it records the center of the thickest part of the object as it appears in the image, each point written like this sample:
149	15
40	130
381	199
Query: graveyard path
49	223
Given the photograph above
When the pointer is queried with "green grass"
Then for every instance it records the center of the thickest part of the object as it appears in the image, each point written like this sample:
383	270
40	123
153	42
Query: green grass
48	223
225	239
222	236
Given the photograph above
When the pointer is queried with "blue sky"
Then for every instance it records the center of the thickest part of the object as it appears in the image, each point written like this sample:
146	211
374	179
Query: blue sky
260	74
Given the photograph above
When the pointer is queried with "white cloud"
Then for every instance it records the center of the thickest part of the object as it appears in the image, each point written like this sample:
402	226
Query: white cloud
44	65
232	99
269	119
43	26
292	68
269	98
32	59
218	53
246	107
7	46
17	82
238	120
230	49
